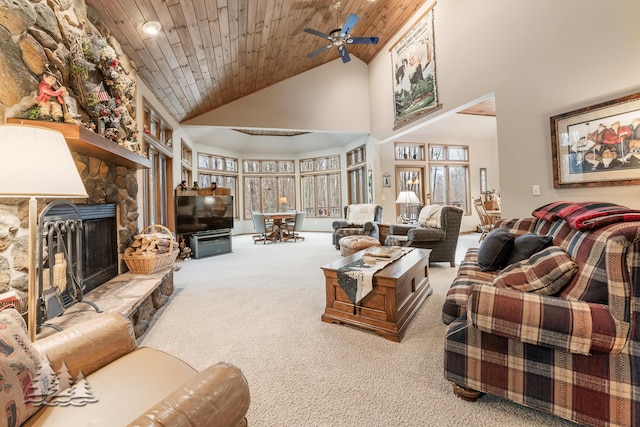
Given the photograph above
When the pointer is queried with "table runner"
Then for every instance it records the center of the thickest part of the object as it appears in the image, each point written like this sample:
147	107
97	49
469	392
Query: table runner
356	278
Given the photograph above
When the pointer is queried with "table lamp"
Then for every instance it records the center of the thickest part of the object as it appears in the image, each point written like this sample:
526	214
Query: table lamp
406	199
36	162
283	202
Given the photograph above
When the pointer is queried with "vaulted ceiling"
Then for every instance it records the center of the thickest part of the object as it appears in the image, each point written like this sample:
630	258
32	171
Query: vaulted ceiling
212	52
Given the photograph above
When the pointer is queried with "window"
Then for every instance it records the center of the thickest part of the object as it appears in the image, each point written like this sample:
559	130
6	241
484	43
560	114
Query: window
186	159
221	170
409	151
155	188
449	175
157	191
320	186
357	175
269	186
156	127
410	178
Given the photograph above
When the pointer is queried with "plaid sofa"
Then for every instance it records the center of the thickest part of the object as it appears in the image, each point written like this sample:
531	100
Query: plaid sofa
575	354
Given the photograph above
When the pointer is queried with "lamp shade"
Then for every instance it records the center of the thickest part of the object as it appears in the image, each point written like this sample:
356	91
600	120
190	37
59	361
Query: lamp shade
36	162
408	198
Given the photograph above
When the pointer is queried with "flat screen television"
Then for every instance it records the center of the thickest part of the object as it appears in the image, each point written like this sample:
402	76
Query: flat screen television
196	214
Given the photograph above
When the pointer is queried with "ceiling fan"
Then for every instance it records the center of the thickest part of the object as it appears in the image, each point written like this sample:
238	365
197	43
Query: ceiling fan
341	37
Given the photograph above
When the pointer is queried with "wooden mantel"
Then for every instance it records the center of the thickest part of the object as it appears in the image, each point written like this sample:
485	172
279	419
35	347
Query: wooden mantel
83	141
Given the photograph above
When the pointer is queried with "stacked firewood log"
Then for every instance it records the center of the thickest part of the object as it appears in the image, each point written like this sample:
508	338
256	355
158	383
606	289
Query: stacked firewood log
151	244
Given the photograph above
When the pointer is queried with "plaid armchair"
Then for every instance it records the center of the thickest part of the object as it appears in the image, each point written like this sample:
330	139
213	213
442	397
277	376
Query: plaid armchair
574	354
359	219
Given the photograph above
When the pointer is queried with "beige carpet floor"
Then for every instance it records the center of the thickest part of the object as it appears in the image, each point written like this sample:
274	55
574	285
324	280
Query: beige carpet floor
259	308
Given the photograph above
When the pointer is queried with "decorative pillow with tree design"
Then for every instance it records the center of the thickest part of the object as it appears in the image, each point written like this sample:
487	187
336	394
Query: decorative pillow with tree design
25	377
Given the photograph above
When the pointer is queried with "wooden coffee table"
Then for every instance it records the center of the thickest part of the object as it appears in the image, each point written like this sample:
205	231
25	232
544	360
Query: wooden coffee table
398	291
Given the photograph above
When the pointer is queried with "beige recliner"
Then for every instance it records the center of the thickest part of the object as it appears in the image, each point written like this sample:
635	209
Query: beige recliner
138	386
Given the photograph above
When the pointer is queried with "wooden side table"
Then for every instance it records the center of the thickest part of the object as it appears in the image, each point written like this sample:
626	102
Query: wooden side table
383	232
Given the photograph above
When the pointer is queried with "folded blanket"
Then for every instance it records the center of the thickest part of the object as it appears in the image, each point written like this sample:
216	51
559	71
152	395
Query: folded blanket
550	211
587	215
430	216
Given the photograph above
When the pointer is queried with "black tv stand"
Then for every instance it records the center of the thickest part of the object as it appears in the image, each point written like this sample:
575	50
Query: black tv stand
210	243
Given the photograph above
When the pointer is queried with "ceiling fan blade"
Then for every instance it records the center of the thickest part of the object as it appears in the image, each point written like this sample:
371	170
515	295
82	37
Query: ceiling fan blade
362	40
349	24
319	51
318	33
344	54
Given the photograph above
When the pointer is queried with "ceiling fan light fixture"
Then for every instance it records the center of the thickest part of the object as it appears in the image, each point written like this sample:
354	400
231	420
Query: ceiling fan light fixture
151	27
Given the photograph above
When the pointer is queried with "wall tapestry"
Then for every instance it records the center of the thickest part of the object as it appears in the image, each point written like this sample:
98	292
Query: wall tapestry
414	72
597	145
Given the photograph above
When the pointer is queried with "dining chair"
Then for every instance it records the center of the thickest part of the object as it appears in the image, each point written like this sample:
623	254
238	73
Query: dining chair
295	225
262	228
487	222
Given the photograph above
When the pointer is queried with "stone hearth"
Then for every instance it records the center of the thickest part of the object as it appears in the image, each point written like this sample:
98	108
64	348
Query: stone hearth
137	296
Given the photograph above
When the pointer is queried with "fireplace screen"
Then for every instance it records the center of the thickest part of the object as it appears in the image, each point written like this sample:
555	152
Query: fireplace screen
77	253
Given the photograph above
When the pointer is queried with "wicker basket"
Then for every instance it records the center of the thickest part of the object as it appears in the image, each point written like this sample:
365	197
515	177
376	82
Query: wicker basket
151	264
21	305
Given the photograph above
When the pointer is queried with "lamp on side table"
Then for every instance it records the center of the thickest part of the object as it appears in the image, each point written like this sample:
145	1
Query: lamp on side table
406	199
36	163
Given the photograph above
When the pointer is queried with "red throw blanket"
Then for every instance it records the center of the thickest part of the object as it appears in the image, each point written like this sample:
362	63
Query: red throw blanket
586	215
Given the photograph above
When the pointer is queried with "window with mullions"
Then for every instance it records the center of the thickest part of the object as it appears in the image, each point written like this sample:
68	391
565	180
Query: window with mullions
320	186
321	195
449	175
217	163
221	170
268	194
268	186
357	175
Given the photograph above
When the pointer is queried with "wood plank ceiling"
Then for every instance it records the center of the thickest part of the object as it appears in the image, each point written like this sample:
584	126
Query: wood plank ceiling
212	52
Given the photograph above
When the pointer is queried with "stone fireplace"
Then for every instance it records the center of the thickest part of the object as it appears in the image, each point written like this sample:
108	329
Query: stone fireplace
109	215
111	212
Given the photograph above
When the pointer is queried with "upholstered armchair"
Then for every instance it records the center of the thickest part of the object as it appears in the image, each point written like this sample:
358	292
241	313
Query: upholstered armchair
437	229
359	219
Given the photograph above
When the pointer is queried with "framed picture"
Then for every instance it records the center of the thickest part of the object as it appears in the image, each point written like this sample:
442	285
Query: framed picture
386	180
370	186
483	181
597	145
414	72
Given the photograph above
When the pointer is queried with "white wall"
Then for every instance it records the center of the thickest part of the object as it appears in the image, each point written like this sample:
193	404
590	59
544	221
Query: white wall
333	97
540	58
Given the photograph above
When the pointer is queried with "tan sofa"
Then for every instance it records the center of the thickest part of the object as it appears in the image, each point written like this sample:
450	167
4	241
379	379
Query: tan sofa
138	386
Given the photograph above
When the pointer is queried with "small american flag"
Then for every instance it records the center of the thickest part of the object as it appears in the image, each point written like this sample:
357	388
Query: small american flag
103	95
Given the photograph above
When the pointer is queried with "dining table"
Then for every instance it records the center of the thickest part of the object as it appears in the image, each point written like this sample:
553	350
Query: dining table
279	232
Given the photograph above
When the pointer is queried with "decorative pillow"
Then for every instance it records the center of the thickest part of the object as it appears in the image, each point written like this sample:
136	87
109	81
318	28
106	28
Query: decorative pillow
495	249
430	216
25	378
545	272
527	245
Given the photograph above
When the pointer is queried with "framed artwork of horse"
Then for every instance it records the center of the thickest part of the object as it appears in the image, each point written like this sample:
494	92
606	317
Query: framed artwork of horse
598	145
413	64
